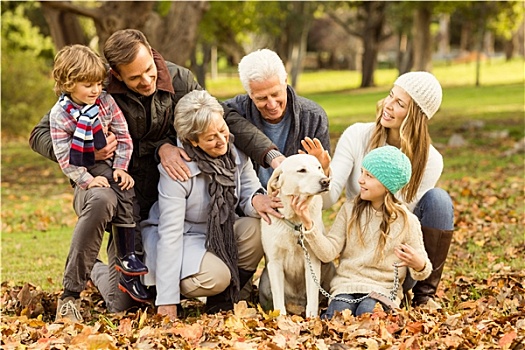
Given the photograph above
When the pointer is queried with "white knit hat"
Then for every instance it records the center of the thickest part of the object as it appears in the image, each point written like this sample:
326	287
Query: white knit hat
424	89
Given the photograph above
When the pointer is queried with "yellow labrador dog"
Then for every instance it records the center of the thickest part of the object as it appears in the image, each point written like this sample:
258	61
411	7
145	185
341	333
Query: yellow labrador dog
289	276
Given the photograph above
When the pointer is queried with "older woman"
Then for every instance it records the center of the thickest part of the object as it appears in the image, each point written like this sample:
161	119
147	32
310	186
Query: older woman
195	244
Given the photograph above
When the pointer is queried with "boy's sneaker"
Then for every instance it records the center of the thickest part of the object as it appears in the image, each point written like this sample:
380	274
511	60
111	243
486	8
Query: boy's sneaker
68	309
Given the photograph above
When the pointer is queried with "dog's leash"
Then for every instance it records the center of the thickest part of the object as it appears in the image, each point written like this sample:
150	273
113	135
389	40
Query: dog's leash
388	301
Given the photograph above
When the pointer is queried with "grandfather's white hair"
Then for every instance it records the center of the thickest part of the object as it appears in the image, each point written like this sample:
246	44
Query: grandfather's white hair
259	66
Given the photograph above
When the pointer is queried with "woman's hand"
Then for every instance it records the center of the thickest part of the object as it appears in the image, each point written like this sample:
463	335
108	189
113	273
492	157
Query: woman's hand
126	181
300	207
168	310
266	205
171	158
409	257
98	181
315	148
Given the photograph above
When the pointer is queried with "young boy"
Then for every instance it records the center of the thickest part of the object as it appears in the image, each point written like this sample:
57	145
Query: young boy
79	121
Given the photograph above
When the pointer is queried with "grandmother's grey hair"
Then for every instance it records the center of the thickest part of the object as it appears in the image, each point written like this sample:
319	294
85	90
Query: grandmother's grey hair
193	114
259	66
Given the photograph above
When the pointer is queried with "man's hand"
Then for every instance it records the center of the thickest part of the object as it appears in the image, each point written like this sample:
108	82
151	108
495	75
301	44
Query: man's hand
109	150
277	161
171	158
266	206
126	181
315	148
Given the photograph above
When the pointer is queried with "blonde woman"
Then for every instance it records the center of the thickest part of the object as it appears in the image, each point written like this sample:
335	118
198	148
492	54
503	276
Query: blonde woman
401	121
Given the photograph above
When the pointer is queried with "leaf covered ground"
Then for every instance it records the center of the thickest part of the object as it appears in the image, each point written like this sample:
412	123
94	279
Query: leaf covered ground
482	296
482	292
495	320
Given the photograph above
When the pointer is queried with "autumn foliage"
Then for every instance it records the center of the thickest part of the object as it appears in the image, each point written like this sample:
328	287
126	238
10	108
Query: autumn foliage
482	297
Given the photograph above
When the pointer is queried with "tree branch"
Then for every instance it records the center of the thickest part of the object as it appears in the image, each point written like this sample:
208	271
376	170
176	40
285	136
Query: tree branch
344	25
74	9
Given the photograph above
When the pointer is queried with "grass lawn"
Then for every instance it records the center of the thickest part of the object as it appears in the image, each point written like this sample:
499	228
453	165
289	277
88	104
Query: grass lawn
487	187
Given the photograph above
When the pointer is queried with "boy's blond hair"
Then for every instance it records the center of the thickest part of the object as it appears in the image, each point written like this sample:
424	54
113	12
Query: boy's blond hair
75	64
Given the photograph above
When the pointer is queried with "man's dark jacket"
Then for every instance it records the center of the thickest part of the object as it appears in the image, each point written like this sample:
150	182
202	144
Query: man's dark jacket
173	82
308	119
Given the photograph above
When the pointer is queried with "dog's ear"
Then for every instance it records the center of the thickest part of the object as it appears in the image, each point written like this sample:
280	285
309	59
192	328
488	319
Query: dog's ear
273	183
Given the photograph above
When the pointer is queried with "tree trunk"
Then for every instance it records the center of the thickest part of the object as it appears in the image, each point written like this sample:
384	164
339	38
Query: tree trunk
58	20
405	54
508	48
482	23
422	38
173	35
374	16
444	35
177	33
464	40
200	68
297	38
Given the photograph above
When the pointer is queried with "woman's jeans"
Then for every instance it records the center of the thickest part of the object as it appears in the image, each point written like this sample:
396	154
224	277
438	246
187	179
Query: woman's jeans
435	210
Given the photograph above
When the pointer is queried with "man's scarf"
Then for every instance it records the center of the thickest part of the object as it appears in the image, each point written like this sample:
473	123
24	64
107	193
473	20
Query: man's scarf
88	134
220	239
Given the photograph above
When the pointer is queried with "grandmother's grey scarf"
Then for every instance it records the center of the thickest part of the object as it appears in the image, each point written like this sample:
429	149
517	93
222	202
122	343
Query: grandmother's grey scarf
220	238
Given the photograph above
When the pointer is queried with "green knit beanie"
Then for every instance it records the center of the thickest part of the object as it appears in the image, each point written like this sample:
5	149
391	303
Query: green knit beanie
390	166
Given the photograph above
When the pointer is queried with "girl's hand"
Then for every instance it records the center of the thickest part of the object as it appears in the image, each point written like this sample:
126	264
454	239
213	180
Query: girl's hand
126	181
409	258
315	148
300	207
98	181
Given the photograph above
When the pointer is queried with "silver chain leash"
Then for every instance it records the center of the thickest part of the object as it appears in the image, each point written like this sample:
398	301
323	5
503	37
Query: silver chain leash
378	296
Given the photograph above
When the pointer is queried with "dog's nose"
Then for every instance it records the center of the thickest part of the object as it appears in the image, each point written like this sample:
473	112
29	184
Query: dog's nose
325	183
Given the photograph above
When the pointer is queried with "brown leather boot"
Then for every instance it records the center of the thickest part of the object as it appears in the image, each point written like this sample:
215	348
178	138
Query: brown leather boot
437	243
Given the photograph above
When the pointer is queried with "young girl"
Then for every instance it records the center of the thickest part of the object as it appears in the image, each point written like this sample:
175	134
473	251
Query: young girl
78	122
370	235
402	121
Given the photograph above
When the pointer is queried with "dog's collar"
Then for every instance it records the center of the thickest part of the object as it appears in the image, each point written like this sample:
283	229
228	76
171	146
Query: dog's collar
295	227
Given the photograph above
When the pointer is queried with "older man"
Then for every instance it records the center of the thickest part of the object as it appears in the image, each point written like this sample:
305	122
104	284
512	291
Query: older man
275	108
285	117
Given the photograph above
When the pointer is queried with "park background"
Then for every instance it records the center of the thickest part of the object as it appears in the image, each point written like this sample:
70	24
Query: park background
344	56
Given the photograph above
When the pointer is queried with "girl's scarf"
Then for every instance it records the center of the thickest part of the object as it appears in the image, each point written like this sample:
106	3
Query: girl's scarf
220	239
88	134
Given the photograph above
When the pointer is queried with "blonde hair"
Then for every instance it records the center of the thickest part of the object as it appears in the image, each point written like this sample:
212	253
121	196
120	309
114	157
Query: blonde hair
75	64
391	210
415	143
194	113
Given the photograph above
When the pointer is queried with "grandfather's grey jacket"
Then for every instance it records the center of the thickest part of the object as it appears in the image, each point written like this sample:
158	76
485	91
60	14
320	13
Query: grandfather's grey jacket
174	235
308	119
